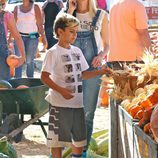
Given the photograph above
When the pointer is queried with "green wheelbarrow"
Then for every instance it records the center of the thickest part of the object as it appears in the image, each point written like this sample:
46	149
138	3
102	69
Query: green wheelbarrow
25	101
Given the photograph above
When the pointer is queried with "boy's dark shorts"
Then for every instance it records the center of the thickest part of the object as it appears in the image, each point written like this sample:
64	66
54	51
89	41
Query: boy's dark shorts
66	127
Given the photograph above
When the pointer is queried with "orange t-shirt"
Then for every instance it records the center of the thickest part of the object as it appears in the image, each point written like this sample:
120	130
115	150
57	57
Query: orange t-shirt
126	16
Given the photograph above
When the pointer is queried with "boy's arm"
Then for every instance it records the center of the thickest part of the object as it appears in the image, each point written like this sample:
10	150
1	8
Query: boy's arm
51	84
90	74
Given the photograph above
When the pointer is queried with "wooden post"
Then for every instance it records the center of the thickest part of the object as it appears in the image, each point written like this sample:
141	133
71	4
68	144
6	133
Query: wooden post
115	145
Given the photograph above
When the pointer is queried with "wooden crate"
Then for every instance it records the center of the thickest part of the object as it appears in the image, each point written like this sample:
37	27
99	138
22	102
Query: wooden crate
126	133
145	146
121	140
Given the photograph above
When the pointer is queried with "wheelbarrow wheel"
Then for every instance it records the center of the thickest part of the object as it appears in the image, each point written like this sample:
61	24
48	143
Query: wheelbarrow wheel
10	123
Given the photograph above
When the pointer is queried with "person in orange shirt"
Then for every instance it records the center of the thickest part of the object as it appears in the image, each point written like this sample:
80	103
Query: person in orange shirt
128	33
129	37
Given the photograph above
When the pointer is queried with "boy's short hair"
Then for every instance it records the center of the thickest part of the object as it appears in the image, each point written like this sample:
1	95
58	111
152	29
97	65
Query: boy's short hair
64	20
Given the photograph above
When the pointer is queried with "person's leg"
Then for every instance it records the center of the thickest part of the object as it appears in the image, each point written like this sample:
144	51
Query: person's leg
4	69
50	39
56	152
78	133
18	71
30	48
77	151
90	97
90	87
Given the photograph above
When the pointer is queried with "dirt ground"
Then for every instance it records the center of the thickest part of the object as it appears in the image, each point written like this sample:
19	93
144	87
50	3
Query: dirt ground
33	141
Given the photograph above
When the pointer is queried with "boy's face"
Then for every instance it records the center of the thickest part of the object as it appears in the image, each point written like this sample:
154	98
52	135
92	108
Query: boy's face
68	35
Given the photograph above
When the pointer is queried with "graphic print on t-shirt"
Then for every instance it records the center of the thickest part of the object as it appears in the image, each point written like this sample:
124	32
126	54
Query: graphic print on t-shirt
68	68
86	25
76	57
72	71
65	58
69	78
78	67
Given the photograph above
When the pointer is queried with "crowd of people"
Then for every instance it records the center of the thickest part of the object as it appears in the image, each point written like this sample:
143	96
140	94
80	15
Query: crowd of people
78	37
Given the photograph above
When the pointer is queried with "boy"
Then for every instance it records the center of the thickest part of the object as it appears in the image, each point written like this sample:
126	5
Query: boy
63	70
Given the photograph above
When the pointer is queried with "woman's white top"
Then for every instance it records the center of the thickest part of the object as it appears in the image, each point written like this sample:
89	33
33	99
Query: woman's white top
26	22
86	25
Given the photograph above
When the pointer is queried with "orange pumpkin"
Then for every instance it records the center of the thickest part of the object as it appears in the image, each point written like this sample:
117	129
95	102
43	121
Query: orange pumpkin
134	110
147	114
142	123
139	115
105	100
12	60
145	104
146	128
129	109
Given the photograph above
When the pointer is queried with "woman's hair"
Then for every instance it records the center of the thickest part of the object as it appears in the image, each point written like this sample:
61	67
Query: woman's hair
64	20
92	7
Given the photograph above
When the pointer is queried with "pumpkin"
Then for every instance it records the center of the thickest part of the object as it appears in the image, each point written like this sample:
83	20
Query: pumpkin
5	85
105	100
142	123
22	87
134	110
139	115
145	104
146	128
12	61
147	114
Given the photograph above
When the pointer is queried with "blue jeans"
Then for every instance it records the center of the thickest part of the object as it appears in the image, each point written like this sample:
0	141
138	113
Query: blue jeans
50	39
30	50
86	42
4	68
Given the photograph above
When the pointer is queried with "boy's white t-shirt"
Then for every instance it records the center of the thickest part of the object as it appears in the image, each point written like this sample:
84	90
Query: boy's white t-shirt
65	67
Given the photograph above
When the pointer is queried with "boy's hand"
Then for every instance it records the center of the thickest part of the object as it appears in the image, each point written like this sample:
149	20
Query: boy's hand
106	70
66	93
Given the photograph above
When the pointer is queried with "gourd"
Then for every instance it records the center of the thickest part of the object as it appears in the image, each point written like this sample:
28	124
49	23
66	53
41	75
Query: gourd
12	61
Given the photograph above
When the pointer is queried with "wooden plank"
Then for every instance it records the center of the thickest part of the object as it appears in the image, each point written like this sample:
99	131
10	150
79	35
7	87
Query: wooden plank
113	134
127	134
115	143
147	147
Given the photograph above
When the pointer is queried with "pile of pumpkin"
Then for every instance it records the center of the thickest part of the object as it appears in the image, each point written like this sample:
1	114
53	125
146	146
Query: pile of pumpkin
142	108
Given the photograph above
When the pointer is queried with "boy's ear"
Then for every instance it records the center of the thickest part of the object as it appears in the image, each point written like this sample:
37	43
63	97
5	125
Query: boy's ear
60	31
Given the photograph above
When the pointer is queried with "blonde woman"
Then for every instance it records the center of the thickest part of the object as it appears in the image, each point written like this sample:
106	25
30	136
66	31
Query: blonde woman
7	23
93	40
